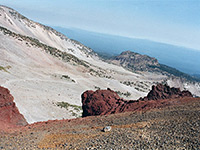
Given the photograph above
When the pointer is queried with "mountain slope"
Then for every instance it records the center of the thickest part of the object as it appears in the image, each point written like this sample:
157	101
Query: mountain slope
18	23
40	76
46	72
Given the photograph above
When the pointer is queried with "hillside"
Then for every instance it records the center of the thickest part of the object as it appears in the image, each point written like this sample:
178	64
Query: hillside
45	70
167	118
56	93
42	76
172	127
19	24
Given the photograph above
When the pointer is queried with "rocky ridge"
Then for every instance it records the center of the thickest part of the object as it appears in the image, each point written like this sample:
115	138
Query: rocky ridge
161	91
142	63
103	102
134	61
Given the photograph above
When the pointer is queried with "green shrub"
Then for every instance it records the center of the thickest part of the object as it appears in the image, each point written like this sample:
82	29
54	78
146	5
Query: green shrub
127	94
67	106
4	68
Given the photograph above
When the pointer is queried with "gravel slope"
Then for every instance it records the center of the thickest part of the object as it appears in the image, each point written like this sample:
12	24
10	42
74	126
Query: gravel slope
174	127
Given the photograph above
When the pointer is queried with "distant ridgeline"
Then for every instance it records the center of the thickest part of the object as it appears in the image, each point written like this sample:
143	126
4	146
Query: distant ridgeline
109	45
137	62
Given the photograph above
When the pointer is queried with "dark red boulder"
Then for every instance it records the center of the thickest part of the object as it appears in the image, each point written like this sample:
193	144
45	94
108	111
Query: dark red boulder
100	102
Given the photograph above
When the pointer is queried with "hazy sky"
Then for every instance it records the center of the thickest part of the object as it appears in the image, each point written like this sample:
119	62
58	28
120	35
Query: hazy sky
169	21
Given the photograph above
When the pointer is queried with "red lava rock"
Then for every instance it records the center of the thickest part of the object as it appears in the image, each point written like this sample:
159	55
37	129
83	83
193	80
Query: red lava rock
102	102
9	114
165	92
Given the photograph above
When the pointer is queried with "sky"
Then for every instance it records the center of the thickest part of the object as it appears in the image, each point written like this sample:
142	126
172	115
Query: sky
174	22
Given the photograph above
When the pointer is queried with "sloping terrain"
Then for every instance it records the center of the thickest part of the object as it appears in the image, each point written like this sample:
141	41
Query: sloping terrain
176	126
46	72
18	23
39	76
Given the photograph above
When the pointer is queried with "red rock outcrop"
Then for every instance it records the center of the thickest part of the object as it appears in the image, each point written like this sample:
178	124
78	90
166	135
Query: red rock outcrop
9	114
102	102
161	91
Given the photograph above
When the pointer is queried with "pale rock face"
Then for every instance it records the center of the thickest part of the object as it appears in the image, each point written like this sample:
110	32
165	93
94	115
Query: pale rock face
38	80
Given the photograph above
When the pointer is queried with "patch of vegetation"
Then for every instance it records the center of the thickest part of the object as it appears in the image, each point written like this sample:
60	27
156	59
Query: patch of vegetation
67	77
138	89
96	87
99	73
73	109
127	94
139	85
15	14
5	68
74	114
127	83
67	106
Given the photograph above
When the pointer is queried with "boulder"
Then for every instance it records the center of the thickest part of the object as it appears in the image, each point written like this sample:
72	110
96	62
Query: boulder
107	129
100	102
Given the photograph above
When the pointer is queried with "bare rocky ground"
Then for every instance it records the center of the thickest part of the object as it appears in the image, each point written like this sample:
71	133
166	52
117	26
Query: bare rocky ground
173	127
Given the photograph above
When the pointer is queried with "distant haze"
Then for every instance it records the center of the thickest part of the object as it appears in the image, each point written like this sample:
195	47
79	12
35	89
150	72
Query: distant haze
184	59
